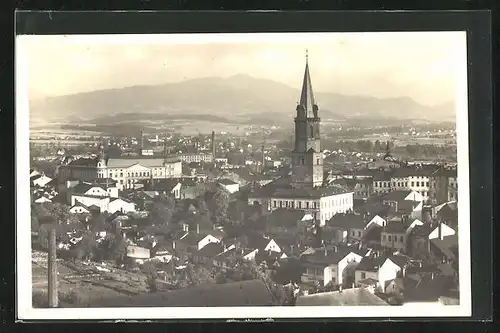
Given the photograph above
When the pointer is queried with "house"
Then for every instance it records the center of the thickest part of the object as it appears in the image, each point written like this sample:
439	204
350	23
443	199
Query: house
79	208
101	202
445	249
33	172
207	253
172	186
138	254
229	185
330	266
430	289
347	227
42	199
96	190
394	197
120	205
366	273
347	297
40	180
162	253
392	267
394	236
375	220
263	244
362	187
286	221
197	240
243	293
421	235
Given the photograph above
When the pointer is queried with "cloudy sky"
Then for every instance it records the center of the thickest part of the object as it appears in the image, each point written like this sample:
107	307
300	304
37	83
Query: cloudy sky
419	65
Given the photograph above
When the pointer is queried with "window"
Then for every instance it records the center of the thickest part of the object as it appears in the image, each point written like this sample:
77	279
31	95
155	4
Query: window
300	204
383	237
401	239
302	161
307	204
121	174
353	233
359	233
274	203
427	184
412	183
121	181
317	161
281	204
389	238
363	275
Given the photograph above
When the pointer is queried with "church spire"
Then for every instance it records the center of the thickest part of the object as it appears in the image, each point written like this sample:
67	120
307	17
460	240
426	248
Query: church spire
307	97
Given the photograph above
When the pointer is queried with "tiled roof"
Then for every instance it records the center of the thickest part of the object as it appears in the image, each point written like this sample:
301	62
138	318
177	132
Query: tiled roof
415	171
124	162
285	217
82	188
225	181
210	250
347	221
446	245
400	260
90	162
422	230
398	195
370	264
395	227
346	297
319	257
429	288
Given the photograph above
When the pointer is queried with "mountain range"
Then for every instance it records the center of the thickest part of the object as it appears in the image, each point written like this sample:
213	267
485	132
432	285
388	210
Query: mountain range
236	98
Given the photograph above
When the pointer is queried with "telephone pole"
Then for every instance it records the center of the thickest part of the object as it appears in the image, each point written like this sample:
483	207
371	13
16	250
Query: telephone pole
52	270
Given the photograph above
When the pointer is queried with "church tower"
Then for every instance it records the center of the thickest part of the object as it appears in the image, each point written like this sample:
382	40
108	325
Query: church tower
307	158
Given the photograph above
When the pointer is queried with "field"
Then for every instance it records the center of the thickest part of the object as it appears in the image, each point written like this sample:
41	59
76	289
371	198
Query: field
77	286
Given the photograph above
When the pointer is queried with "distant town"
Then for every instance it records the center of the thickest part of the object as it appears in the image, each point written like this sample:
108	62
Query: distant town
316	213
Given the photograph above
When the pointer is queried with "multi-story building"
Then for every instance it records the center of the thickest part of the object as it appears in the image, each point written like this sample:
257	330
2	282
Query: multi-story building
443	186
197	158
125	171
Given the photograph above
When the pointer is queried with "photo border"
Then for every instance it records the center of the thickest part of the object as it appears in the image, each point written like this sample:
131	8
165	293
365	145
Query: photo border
477	27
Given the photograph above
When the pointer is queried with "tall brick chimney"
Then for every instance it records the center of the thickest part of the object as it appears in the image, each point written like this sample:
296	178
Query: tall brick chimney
213	147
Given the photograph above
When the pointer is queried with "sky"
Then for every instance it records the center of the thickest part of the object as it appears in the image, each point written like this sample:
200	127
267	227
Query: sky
419	65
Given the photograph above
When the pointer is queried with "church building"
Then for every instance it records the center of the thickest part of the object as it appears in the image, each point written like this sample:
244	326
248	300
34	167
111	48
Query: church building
305	188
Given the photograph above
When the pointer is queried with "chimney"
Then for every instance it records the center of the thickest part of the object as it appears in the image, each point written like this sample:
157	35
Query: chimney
326	252
142	140
173	245
197	228
440	231
213	146
335	248
52	268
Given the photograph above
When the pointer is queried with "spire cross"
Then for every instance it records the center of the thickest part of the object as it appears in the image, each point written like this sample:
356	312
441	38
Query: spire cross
307	55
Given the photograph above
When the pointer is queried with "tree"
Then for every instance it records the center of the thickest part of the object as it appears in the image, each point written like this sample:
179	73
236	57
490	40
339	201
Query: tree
98	223
162	210
220	202
59	212
149	270
196	275
86	248
35	224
